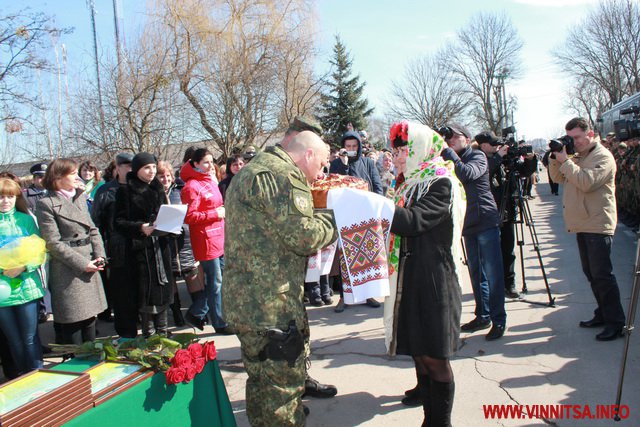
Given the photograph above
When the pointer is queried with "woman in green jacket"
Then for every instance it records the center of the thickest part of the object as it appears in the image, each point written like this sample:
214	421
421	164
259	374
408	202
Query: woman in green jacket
20	286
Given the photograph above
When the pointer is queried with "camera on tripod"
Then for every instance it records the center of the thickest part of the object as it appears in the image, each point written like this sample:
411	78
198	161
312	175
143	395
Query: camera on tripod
628	128
516	148
555	145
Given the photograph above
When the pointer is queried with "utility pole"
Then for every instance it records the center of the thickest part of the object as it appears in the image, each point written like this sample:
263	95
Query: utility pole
92	9
502	109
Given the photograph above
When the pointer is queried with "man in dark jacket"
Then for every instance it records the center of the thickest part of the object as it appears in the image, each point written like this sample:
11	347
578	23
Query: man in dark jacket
353	163
481	233
504	173
102	214
36	191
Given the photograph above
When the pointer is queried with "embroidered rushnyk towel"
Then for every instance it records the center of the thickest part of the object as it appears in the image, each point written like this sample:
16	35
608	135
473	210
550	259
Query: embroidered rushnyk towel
364	220
320	263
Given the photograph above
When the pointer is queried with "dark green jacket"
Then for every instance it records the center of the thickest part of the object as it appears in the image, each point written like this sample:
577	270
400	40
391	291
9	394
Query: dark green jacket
271	228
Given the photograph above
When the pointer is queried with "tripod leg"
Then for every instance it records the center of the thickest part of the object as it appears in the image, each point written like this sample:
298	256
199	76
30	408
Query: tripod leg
536	247
631	317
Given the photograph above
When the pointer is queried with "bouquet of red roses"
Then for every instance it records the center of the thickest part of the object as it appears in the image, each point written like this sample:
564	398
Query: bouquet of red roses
189	362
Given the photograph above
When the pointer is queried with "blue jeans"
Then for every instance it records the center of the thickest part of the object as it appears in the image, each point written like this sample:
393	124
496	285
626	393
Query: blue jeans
210	300
484	259
20	325
595	257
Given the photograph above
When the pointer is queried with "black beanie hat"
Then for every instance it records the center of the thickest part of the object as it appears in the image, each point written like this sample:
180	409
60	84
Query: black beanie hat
140	160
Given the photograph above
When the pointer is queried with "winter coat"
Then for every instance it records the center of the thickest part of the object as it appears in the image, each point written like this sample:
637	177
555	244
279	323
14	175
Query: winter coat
472	170
588	199
72	241
138	203
28	285
359	166
202	195
224	184
182	261
428	318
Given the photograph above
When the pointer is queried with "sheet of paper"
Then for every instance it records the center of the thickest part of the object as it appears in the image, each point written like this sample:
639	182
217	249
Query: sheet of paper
170	218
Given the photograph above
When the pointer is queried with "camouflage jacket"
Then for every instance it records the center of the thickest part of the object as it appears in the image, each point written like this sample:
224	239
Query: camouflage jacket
271	228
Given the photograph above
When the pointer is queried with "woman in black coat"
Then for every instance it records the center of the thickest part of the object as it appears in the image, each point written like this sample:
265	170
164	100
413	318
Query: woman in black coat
137	205
427	226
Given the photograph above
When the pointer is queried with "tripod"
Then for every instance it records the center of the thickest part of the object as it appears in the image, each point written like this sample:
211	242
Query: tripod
521	217
631	317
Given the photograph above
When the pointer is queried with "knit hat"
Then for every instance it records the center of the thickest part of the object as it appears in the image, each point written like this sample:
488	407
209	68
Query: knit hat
140	160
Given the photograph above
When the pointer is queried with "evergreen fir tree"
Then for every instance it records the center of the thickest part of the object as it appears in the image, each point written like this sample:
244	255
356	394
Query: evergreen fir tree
342	102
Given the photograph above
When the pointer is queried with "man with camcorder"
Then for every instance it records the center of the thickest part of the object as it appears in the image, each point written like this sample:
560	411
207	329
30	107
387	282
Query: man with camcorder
480	231
589	209
507	165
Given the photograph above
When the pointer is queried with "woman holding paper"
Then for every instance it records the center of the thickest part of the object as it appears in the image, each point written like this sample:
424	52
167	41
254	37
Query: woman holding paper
137	205
205	217
424	258
20	284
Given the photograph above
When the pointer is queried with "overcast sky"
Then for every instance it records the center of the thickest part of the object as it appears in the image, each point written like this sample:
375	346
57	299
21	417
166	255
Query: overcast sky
382	36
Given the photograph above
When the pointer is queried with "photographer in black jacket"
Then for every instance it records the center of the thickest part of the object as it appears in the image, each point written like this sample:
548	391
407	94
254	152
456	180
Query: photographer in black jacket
504	172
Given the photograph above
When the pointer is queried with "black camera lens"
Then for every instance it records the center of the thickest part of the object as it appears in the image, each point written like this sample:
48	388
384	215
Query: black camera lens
446	132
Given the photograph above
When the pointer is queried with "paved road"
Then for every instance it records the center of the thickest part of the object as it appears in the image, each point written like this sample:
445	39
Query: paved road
543	359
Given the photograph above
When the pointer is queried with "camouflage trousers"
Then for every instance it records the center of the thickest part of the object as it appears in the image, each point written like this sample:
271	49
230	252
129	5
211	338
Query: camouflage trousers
274	389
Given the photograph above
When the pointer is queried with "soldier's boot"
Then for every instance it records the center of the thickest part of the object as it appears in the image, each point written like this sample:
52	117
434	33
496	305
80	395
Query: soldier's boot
313	388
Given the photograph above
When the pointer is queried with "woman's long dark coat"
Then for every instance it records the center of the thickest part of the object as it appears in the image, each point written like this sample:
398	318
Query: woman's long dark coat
428	317
138	203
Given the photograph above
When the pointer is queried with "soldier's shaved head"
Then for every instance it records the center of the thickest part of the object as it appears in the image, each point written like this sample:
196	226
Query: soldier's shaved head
303	141
309	152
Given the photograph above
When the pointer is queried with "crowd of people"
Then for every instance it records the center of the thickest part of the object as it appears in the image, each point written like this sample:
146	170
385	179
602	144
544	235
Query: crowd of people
256	225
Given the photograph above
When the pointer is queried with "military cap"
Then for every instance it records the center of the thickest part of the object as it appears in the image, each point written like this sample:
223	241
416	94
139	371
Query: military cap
123	158
301	123
38	169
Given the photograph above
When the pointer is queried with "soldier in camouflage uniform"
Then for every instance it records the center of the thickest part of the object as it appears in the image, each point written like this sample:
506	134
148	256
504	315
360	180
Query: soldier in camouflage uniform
272	228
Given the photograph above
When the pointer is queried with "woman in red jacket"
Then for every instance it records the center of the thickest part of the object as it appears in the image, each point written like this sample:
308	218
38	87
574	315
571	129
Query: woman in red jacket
205	217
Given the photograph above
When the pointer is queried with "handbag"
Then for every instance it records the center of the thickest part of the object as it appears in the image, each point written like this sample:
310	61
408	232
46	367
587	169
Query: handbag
195	280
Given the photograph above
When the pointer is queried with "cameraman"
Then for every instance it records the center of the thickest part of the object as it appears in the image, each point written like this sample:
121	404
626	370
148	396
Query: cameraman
504	172
589	209
480	231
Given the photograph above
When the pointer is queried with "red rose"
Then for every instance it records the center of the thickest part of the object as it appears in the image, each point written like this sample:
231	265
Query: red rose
209	351
195	350
175	375
190	373
200	362
181	359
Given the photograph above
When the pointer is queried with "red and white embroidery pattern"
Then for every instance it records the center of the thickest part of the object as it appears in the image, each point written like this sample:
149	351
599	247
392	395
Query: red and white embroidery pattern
365	255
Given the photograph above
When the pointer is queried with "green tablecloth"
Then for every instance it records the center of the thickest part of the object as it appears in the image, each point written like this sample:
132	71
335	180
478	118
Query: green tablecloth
202	402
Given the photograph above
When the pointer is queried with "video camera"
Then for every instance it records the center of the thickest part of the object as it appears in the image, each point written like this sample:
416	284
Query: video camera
516	149
446	132
555	145
628	128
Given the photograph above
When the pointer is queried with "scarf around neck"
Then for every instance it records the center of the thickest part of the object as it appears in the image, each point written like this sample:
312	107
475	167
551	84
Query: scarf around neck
424	167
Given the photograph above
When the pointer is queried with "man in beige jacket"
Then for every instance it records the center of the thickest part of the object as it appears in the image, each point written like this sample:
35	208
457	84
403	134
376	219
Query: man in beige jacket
589	208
